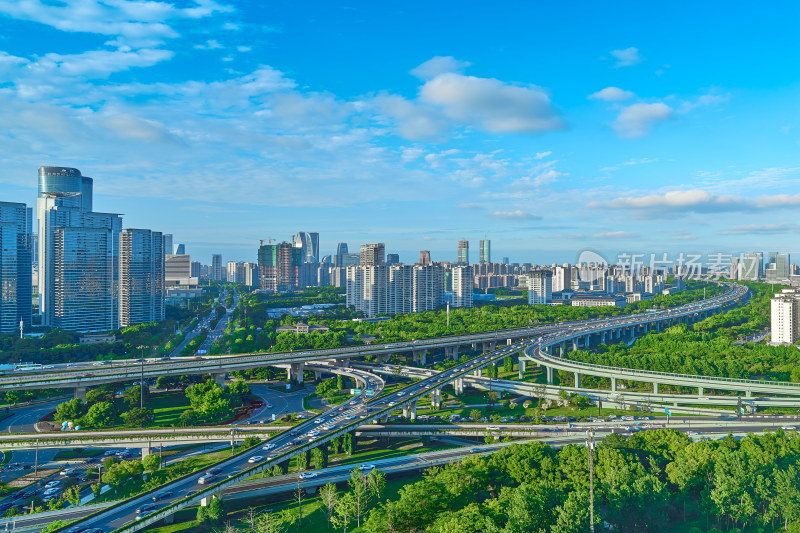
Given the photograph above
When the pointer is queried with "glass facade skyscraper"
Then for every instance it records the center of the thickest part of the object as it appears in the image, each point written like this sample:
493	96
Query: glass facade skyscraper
141	262
463	252
486	251
15	266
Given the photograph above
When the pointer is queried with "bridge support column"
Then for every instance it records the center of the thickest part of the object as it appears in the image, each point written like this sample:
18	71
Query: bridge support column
522	364
489	346
549	375
458	386
342	362
146	450
748	394
169	519
219	378
436	399
563	348
575	344
317	375
80	394
478	372
296	372
655	388
419	356
613	384
700	391
410	411
603	337
508	342
451	352
587	341
577	380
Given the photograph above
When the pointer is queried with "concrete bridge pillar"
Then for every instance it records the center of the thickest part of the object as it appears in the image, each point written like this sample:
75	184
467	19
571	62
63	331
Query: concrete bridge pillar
451	352
613	384
522	363
574	344
80	394
489	346
587	341
146	450
419	356
219	378
655	388
748	394
478	372
436	399
549	375
410	411
508	342
700	391
603	337
563	348
577	380
343	362
317	375
458	386
296	372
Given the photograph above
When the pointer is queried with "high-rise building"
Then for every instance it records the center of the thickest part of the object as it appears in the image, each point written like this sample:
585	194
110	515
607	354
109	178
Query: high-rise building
486	251
392	259
373	254
350	260
505	260
217	270
180	249
194	269
428	288
783	265
168	249
15	266
752	266
562	278
178	269
540	287
785	317
463	252
79	265
141	278
309	244
341	250
463	282
425	258
279	266
235	271
251	277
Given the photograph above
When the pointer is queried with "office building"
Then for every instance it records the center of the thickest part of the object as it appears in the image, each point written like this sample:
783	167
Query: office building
217	269
194	269
540	287
251	277
141	279
785	317
180	249
15	266
462	286
783	266
168	249
279	266
309	244
341	250
425	258
373	254
562	278
235	271
485	251
463	252
350	260
178	270
505	260
79	264
392	259
752	266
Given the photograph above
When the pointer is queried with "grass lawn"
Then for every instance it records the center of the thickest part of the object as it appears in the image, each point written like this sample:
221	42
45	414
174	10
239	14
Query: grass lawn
167	408
76	453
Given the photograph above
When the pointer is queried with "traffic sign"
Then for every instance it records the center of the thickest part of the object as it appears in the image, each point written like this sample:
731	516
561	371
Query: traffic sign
355	391
369	392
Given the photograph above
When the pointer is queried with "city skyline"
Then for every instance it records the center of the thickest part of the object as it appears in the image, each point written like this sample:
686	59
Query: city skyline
184	113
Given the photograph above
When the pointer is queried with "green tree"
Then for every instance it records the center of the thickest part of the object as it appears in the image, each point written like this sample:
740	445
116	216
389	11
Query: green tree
359	490
475	415
132	395
344	512
98	395
70	410
329	497
138	417
100	415
151	463
73	495
318	458
216	512
376	483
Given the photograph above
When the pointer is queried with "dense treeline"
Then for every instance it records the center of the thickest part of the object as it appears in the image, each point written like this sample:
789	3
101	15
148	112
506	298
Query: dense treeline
250	329
652	481
710	347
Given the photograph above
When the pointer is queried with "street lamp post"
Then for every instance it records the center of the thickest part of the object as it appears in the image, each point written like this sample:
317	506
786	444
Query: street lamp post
141	381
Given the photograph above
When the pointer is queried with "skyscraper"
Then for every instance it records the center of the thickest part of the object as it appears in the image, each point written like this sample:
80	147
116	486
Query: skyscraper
309	244
217	270
486	251
428	288
279	266
783	265
392	259
373	254
463	252
180	250
752	266
141	280
341	249
79	265
425	258
168	249
540	287
15	266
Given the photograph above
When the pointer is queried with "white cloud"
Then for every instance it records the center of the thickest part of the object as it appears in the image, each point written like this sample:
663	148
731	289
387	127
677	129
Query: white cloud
439	65
97	63
627	57
542	155
491	105
616	235
515	215
211	44
612	94
244	48
413	121
637	120
682	200
766	229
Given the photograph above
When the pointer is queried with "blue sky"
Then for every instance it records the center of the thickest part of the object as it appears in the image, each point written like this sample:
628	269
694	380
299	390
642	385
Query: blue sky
550	128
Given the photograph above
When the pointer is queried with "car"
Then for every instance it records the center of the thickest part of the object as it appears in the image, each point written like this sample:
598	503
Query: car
269	406
313	433
75	529
308	475
478	450
318	421
351	417
206	479
365	467
214	471
692	432
789	428
268	447
52	491
493	428
143	515
147	507
161	495
329	427
256	459
52	484
69	471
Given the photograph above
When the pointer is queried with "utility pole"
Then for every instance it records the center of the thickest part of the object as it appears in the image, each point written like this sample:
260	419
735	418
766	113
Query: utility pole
590	450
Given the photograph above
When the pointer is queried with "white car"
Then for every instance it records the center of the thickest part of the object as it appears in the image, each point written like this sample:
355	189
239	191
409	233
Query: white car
268	447
493	428
329	427
205	480
51	492
256	459
365	467
52	484
789	428
308	475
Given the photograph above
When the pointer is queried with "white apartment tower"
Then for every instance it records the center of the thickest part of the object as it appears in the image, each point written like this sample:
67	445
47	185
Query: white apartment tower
785	317
462	286
540	287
